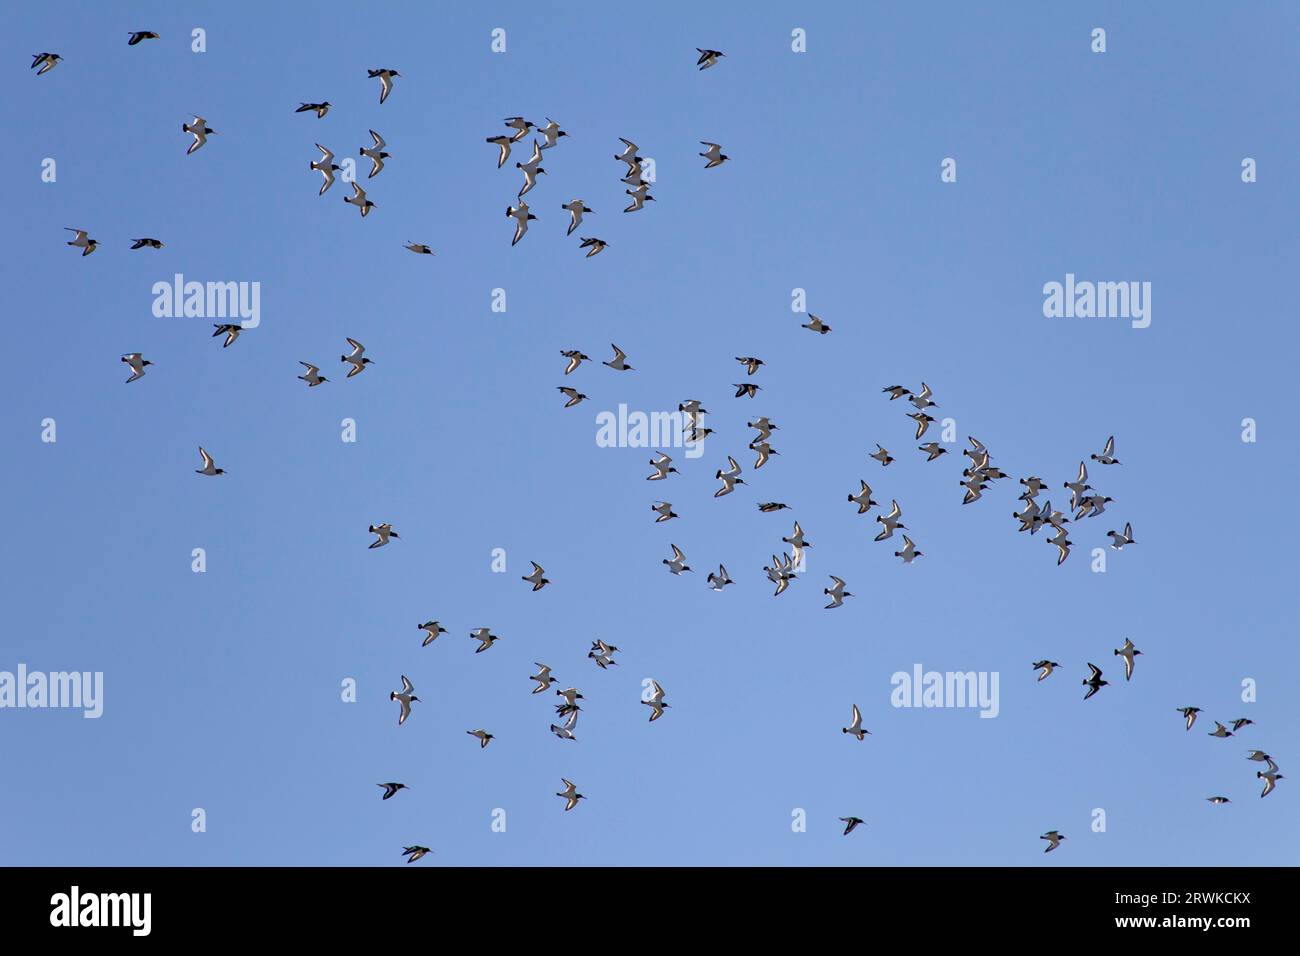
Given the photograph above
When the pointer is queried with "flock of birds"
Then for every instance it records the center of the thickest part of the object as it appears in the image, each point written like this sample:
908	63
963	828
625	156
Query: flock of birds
976	478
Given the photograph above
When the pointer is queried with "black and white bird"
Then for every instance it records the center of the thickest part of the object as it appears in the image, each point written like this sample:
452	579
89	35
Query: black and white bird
356	358
767	507
1215	800
889	523
520	125
313	376
146	243
921	399
392	788
576	209
765	429
729	478
677	564
1189	715
815	324
571	697
1118	539
719	580
385	78
1241	722
383	532
932	450
602	654
796	539
1219	731
358	199
896	391
851	823
836	592
572	394
1062	543
320	109
909	552
1259	756
137	35
199	130
543	678
535	578
521	216
565	731
752	365
414	853
1053	839
1094	681
46	62
746	389
209	466
431	631
375	154
137	363
1270	778
1128	652
230	330
575	358
714	154
1107	456
531	169
502	143
639	197
482	735
619	362
923	422
662	466
881	455
855	725
326	167
485	638
82	241
1045	667
552	133
707	58
595	247
629	154
764	450
863	498
405	697
1092	505
656	701
664	510
419	248
1078	487
570	794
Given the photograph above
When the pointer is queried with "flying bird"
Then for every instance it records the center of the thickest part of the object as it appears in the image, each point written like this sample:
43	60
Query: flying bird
851	823
543	678
896	391
664	510
921	399
485	638
909	552
356	358
767	507
890	522
405	697
863	498
922	422
815	324
639	197
502	143
596	246
707	58
375	154
572	394
565	731
1128	652
576	208
1094	681
199	130
415	852
570	794
326	167
1189	713
535	578
392	788
1215	800
230	330
382	533
419	248
482	735
678	562
432	629
932	450
1046	667
209	467
358	199
313	376
575	358
520	125
602	654
46	62
139	35
552	132
146	243
881	455
1053	838
1118	540
855	725
385	82
82	241
656	701
729	478
1270	778
1107	456
714	155
662	468
137	363
837	593
1241	722
618	363
521	216
1219	731
320	109
720	580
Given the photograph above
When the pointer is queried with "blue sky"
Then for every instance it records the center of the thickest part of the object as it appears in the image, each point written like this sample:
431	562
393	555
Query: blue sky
222	689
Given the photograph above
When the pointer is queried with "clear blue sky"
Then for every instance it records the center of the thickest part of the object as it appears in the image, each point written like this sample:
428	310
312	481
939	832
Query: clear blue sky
222	688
